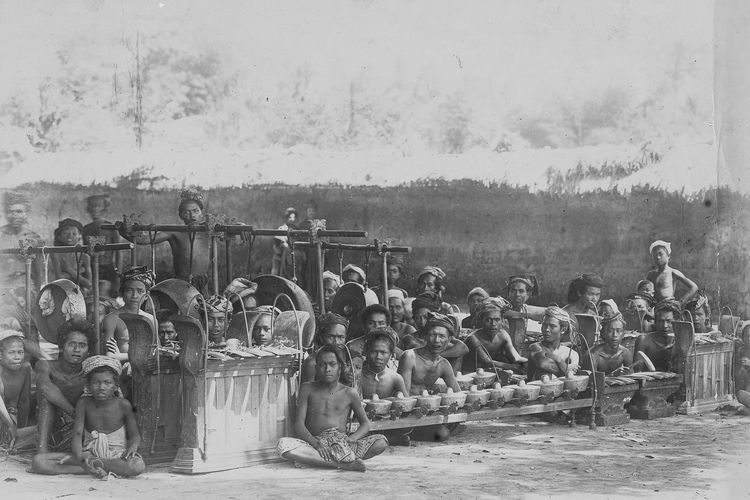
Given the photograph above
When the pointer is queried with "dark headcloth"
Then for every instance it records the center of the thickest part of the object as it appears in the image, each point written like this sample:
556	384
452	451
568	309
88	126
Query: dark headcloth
698	301
139	273
67	223
429	300
435	319
329	319
670	305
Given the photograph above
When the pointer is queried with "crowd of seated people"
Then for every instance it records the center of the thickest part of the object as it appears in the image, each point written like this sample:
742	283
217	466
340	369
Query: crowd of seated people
406	346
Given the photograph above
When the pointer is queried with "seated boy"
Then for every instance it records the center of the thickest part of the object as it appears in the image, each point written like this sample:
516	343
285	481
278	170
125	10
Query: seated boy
548	356
331	330
657	345
377	378
15	392
665	278
322	411
491	347
105	432
610	356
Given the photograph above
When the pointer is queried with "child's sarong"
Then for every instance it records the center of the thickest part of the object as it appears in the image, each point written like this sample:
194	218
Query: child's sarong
342	450
103	445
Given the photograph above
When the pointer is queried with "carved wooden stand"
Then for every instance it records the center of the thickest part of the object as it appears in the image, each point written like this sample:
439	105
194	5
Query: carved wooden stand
651	401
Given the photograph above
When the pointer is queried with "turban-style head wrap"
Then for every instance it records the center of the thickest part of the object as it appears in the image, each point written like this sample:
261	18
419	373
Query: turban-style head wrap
612	304
138	273
428	300
66	223
433	270
240	288
93	362
329	319
328	275
436	319
492	304
699	300
660	243
12	198
10	334
190	195
477	291
270	310
668	305
104	198
289	211
643	296
396	294
527	279
216	304
559	314
613	319
356	269
378	333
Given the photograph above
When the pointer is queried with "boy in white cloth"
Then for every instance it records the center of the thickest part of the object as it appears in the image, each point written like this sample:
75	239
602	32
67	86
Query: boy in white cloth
105	432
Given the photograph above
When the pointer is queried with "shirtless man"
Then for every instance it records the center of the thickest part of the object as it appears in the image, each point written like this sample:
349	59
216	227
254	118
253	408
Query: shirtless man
377	378
520	289
331	330
191	213
665	278
491	347
109	262
135	284
218	312
423	307
584	293
322	411
548	356
610	356
15	391
59	385
421	367
658	344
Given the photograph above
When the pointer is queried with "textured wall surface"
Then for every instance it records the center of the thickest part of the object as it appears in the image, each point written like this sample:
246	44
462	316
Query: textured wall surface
478	234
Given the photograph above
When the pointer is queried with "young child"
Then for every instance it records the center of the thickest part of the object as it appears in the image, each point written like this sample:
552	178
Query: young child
74	267
646	287
15	392
377	378
322	412
665	278
105	432
262	328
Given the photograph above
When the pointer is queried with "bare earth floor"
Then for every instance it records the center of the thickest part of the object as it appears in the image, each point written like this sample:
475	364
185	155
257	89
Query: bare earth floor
681	457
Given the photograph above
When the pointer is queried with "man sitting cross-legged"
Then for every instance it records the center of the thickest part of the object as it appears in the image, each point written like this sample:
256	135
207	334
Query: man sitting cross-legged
322	411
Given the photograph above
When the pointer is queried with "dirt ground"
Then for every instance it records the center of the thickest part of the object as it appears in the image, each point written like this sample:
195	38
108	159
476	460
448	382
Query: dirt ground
681	457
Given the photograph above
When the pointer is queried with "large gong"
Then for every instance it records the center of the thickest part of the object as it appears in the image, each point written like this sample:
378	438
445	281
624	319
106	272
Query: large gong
177	295
350	300
59	301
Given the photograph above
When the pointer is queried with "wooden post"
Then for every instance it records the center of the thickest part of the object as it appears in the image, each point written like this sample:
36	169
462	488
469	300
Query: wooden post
385	278
95	287
27	267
